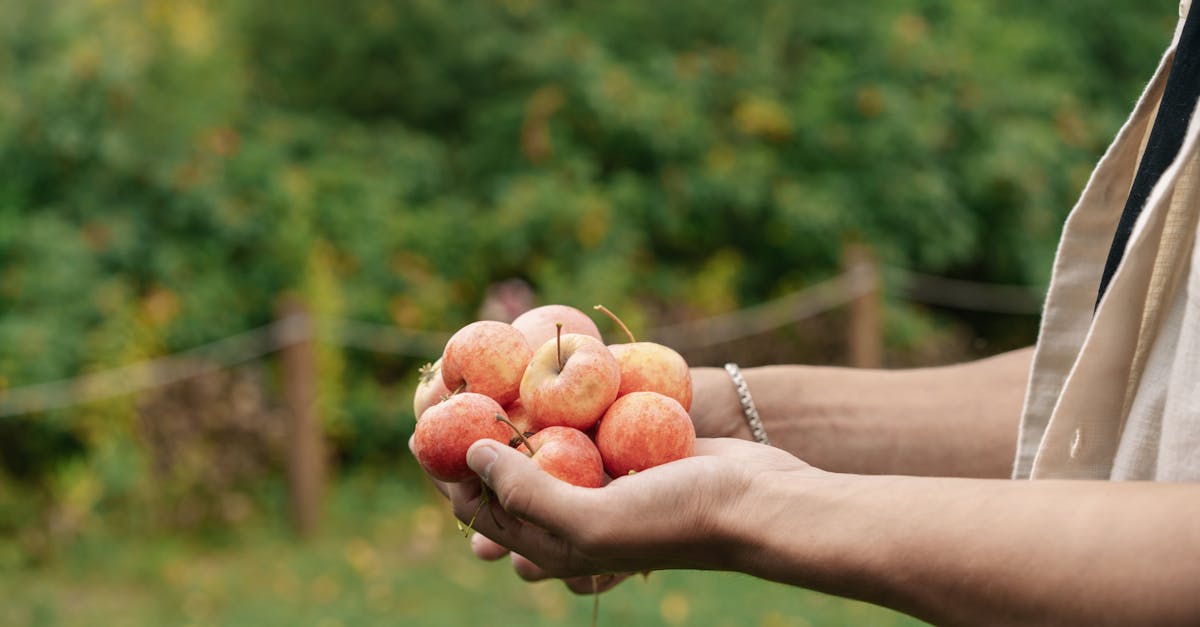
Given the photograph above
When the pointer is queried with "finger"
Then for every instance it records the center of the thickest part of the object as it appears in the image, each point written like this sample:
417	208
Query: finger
510	474
485	549
735	446
526	569
528	492
529	571
723	446
600	583
505	529
464	496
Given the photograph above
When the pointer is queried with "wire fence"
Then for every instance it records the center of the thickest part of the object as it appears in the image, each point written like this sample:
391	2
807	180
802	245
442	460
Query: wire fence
969	295
293	329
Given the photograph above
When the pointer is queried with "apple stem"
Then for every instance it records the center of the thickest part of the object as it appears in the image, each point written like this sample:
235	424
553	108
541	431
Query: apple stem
612	315
456	390
595	599
524	440
483	500
558	326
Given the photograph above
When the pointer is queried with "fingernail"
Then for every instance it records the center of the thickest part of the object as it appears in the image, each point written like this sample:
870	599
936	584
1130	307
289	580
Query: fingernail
480	459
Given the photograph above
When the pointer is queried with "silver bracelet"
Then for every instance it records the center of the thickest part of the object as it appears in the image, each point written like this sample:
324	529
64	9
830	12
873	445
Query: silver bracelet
748	408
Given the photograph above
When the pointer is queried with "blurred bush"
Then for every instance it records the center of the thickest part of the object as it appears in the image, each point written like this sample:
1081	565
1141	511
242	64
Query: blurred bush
172	166
210	438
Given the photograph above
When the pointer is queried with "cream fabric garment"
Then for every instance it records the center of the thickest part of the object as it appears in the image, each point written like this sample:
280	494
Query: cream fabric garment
1115	395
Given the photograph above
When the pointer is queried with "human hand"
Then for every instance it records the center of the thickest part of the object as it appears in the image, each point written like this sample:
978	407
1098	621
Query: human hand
678	515
489	551
716	411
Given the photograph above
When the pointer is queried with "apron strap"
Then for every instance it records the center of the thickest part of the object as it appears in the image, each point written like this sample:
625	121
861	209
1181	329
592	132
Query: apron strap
1166	137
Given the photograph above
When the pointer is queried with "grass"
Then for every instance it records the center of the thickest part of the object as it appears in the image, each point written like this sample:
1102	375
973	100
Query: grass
389	555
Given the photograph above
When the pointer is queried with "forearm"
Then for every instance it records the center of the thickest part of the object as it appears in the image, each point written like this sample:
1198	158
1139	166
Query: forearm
959	551
958	420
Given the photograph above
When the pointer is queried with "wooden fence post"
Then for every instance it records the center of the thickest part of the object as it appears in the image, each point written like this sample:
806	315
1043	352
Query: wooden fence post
864	332
306	446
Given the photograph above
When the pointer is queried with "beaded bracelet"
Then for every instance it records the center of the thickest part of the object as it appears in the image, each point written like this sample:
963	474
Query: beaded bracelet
748	408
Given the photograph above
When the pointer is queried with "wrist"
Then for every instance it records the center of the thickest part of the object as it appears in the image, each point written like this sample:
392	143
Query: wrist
746	401
801	527
716	411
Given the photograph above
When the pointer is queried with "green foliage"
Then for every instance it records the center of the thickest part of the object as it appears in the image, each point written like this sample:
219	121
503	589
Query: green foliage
172	167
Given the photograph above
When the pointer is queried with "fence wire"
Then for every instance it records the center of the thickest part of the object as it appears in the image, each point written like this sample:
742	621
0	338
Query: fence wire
291	330
160	371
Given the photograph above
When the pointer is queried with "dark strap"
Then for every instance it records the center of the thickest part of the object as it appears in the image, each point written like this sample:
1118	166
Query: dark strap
1170	127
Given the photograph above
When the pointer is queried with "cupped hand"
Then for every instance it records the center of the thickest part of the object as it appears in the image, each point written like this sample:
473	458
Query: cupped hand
678	515
488	550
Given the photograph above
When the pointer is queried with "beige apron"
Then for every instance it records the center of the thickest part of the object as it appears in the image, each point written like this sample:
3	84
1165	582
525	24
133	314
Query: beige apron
1116	395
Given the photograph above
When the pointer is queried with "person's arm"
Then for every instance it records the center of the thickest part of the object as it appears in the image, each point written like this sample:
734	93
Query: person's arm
953	551
975	552
958	420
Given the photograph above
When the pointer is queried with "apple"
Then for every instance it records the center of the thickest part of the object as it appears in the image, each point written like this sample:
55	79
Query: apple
539	324
446	430
570	381
641	430
520	417
566	453
651	367
430	388
486	357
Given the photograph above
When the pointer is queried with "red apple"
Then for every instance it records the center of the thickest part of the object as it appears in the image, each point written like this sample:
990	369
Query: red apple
519	416
570	382
486	357
641	430
539	324
651	367
567	454
430	388
447	429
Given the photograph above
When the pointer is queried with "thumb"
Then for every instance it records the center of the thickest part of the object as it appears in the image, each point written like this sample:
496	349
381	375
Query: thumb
523	488
482	456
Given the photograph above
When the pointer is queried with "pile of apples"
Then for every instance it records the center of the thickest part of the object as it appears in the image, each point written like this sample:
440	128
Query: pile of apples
547	383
